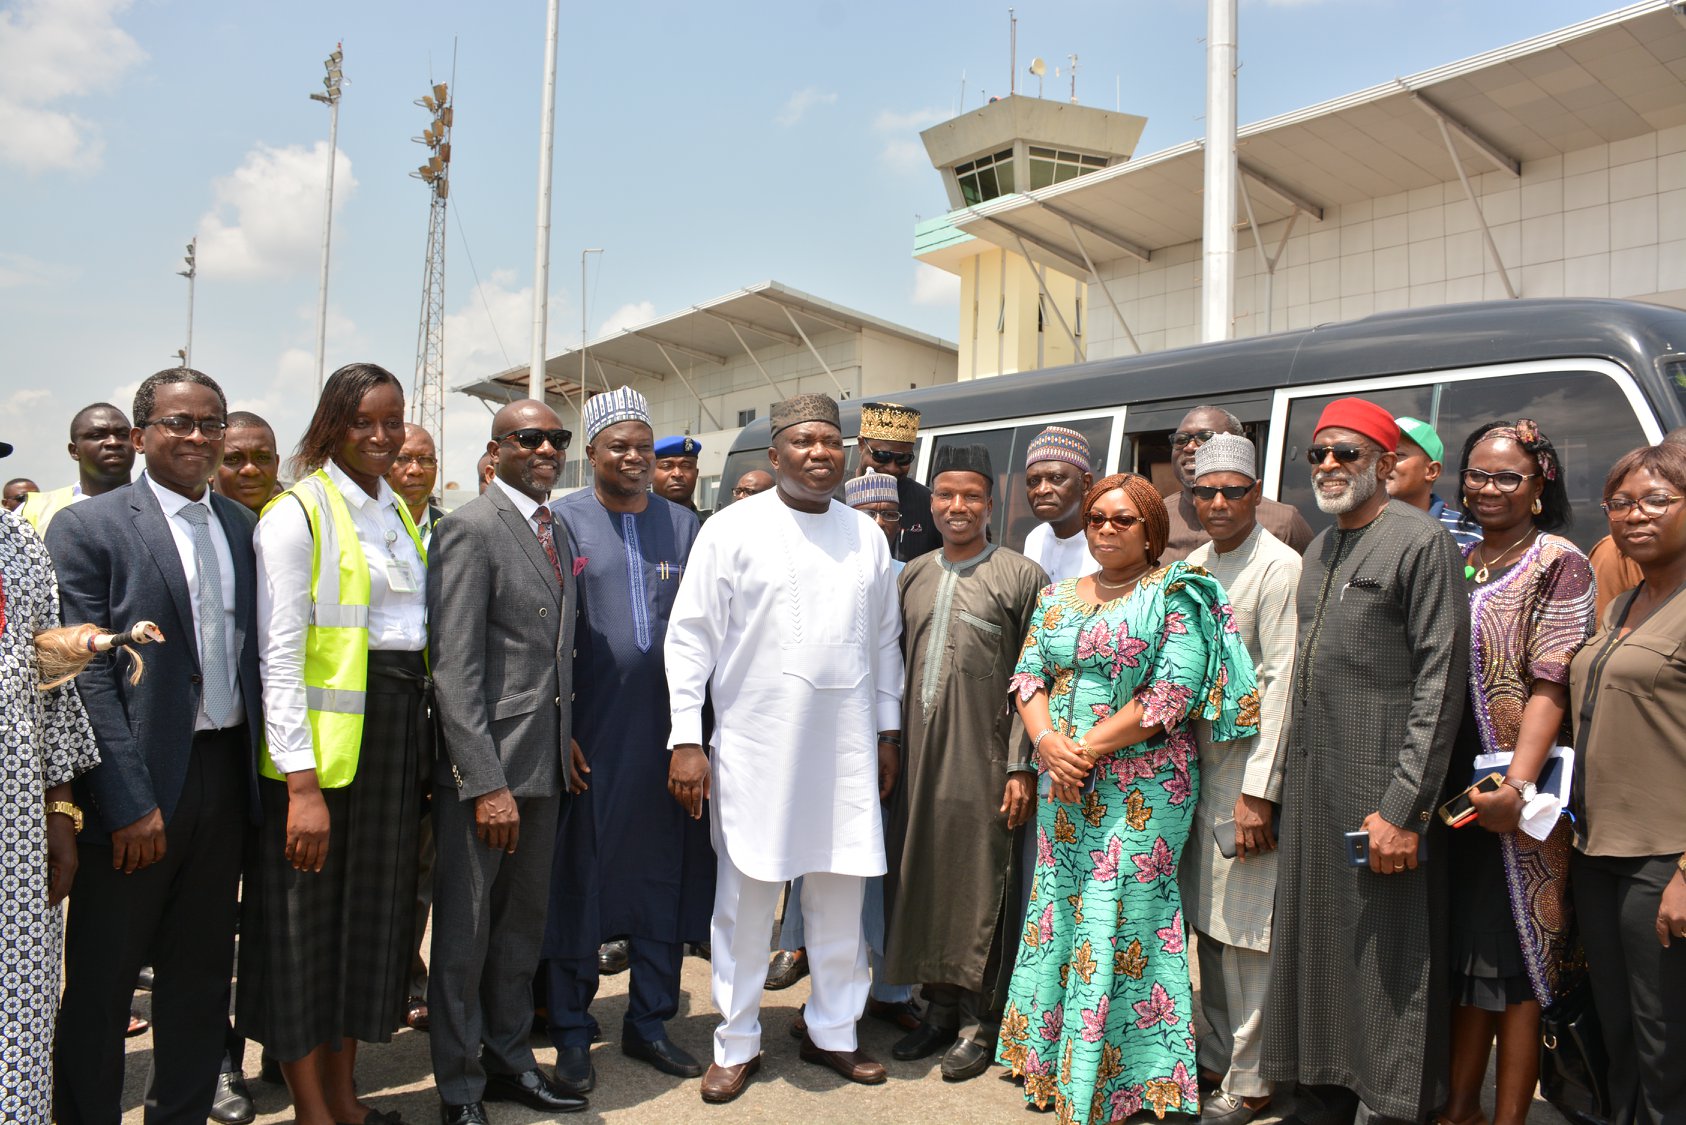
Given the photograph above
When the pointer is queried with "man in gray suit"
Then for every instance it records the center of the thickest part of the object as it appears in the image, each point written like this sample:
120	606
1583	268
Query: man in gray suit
501	603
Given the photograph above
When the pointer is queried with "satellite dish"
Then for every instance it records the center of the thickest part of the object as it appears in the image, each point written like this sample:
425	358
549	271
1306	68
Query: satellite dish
1038	67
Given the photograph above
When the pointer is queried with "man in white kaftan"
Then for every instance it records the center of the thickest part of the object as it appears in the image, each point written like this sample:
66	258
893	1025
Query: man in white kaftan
788	614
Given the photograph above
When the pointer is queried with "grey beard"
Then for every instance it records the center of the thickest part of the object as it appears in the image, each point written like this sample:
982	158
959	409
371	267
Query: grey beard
1363	486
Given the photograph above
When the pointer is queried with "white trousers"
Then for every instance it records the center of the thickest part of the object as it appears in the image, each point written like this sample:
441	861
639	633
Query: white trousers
1233	985
743	917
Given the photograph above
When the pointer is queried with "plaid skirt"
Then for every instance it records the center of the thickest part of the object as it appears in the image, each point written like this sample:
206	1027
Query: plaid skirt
324	956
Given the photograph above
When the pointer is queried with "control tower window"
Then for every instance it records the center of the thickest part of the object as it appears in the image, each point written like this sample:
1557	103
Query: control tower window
1052	166
986	177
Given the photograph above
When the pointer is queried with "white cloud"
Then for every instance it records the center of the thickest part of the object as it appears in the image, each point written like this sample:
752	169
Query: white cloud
902	149
491	331
35	423
629	315
51	50
932	286
21	271
796	106
267	219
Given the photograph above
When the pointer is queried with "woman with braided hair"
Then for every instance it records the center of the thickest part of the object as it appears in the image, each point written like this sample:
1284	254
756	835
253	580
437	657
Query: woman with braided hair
1117	664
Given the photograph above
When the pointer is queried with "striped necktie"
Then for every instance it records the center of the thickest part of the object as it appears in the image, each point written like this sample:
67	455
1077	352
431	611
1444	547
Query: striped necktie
213	640
548	540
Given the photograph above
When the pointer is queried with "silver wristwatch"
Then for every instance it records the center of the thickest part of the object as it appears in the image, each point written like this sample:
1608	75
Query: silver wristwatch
1527	788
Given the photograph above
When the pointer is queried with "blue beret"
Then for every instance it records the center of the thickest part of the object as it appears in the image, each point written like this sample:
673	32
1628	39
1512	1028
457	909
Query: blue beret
683	445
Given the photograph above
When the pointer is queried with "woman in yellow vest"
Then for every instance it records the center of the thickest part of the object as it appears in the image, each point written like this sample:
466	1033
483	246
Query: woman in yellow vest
330	897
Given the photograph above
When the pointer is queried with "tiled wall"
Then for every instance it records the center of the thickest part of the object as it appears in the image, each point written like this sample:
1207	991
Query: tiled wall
1608	221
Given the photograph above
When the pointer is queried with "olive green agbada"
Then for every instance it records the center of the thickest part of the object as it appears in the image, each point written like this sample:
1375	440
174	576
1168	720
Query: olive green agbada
952	887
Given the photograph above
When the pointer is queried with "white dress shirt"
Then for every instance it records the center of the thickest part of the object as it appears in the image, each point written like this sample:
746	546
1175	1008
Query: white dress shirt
1061	558
526	505
397	620
182	532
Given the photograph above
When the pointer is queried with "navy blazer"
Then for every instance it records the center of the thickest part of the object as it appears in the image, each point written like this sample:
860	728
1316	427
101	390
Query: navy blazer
117	564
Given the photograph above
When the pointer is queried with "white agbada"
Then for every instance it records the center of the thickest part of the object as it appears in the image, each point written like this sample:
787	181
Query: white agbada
1061	558
791	619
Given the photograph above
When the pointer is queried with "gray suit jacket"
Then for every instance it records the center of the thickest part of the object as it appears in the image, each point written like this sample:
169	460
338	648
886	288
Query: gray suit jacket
501	635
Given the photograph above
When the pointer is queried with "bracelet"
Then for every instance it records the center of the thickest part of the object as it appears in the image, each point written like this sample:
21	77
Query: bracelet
1088	752
893	739
1036	743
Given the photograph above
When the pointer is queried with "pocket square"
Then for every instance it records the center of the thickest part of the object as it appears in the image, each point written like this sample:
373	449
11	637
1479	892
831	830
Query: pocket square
579	566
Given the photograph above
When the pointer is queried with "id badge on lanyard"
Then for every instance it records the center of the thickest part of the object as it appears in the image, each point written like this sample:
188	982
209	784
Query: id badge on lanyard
400	579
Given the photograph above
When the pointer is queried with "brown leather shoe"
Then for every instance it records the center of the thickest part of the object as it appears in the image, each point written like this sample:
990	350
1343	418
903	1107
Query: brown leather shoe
723	1083
901	1013
853	1065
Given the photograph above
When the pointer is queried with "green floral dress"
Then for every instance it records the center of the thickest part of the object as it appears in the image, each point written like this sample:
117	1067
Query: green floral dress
1099	1013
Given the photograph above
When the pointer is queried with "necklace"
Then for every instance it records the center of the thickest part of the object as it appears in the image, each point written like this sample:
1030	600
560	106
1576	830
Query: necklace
1114	585
1481	575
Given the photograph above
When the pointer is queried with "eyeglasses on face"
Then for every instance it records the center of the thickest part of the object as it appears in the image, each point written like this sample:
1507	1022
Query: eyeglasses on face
532	437
1230	491
405	459
740	493
1475	480
886	517
1121	520
180	426
1198	437
1344	454
1654	506
885	457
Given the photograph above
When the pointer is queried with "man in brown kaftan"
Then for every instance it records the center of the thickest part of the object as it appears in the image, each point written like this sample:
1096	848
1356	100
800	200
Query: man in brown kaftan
968	784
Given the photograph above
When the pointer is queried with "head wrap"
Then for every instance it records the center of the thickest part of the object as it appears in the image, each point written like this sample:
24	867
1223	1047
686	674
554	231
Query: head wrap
1057	443
965	459
1423	434
1526	433
1361	416
871	488
886	421
623	404
804	408
1226	453
681	445
1145	499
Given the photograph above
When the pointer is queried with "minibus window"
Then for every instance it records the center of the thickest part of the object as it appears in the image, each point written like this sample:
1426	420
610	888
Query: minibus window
1013	519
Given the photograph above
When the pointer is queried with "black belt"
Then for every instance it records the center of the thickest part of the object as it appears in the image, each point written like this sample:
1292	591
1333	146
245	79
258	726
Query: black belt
200	736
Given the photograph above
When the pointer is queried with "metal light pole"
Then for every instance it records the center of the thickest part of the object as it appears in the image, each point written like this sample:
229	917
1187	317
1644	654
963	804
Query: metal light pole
331	99
541	248
191	272
583	253
1217	246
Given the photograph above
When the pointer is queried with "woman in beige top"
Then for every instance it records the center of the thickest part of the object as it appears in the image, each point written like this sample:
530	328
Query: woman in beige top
1628	692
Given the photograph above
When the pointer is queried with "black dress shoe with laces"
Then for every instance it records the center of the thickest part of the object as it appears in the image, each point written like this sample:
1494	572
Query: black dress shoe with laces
922	1042
663	1054
532	1089
574	1072
232	1102
471	1114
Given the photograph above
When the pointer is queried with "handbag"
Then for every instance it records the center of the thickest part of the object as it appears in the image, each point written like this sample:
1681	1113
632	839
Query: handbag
1574	1066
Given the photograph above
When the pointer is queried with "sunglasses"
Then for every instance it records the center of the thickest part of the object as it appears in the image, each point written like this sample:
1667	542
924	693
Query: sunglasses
533	438
1345	454
885	457
1198	437
1230	491
1475	480
1122	522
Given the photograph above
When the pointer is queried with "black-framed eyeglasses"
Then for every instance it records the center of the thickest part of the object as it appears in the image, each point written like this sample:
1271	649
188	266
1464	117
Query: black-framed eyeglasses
424	461
1198	437
180	426
885	457
1654	506
1344	454
532	437
1476	479
1120	520
885	517
1230	491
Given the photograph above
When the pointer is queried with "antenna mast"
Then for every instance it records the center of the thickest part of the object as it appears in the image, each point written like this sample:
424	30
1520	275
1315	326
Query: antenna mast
1012	53
428	393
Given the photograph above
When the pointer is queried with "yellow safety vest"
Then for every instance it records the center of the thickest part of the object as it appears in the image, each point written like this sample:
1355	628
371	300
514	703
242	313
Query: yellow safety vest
336	646
39	508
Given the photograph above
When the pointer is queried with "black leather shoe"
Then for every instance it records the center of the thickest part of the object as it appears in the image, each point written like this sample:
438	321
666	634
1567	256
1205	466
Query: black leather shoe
788	966
702	949
143	982
471	1114
232	1103
663	1054
964	1060
574	1072
612	957
532	1089
923	1042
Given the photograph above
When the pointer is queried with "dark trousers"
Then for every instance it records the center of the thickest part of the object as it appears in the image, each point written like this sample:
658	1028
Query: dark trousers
488	924
178	915
652	995
1336	1105
1638	987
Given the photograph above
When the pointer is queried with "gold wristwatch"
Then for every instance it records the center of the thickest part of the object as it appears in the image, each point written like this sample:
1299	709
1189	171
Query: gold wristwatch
1681	864
66	808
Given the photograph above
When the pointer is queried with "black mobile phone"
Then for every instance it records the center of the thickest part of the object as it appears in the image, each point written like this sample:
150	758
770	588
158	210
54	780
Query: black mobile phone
1358	848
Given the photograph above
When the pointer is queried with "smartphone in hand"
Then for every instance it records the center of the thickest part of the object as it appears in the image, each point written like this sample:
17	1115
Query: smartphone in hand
1358	847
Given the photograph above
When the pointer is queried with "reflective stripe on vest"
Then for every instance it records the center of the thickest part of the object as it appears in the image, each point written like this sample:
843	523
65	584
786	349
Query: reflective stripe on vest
336	647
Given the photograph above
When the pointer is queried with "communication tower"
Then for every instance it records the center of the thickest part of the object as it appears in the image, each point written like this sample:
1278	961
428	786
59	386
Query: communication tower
428	395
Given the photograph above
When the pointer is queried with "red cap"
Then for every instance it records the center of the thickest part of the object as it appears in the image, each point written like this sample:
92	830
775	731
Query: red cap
1361	416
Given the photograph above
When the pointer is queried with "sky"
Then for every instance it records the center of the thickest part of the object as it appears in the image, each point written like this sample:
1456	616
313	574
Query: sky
703	147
